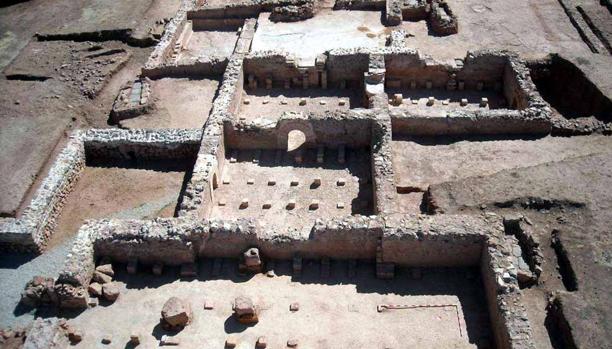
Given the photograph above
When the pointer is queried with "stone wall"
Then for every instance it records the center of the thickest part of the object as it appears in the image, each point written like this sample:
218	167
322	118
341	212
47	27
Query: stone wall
350	128
141	144
32	229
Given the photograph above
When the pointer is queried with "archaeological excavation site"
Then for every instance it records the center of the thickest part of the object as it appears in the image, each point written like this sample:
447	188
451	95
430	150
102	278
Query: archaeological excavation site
306	174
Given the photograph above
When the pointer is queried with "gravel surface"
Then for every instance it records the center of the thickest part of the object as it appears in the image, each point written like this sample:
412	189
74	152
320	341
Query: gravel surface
15	271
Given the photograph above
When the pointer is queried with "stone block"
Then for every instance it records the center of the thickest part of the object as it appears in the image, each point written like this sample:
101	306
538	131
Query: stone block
231	342
158	269
463	102
95	289
101	278
292	343
341	182
262	342
340	205
430	101
291	204
169	341
314	205
176	313
302	101
107	339
93	302
341	154
245	311
484	102
295	306
132	266
135	339
244	203
111	291
106	269
398	99
189	270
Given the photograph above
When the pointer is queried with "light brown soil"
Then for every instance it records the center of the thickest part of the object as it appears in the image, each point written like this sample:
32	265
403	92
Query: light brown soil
334	313
210	43
125	193
179	103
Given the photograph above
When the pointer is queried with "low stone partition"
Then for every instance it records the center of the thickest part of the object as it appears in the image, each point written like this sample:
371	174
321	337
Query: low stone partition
141	143
197	67
164	48
360	5
489	122
282	10
351	128
343	238
435	241
168	241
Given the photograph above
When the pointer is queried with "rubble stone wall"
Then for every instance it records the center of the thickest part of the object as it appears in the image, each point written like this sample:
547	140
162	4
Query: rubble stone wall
329	129
33	229
141	144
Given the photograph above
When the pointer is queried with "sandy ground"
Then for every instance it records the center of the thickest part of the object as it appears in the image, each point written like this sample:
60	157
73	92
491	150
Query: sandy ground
179	103
421	162
326	31
337	312
271	104
576	194
532	28
23	113
356	198
15	271
125	193
210	43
